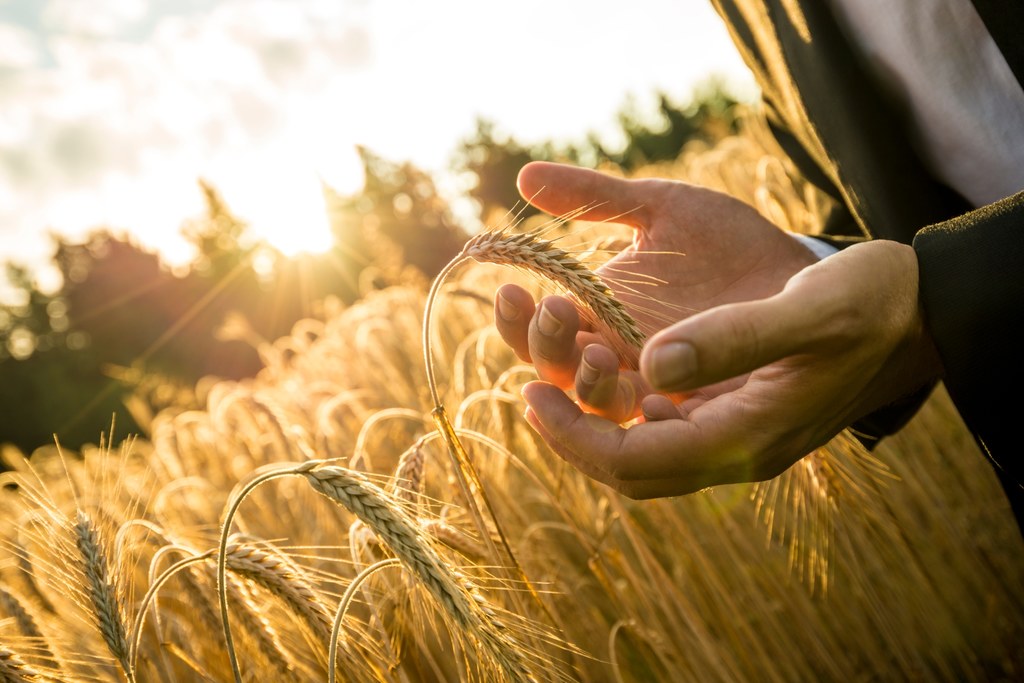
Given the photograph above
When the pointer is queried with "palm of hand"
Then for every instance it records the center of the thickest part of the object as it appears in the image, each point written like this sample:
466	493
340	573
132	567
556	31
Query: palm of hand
693	249
702	249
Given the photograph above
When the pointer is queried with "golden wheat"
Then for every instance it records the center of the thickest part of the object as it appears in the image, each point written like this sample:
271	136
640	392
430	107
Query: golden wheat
101	590
532	252
15	670
283	578
406	540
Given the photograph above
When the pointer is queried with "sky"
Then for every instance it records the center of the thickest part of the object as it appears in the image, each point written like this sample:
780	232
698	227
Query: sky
112	110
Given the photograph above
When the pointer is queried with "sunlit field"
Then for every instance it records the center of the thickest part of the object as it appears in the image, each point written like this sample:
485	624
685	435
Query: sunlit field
318	522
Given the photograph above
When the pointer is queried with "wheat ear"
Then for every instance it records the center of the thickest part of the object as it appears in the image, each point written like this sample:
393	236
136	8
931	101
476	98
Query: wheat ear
408	480
532	252
400	532
266	640
13	669
15	607
455	538
280	576
102	592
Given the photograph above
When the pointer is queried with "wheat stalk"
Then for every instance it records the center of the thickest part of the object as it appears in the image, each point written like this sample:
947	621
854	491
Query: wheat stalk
343	606
531	251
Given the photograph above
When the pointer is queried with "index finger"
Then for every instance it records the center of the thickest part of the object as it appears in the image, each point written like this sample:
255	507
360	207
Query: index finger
585	194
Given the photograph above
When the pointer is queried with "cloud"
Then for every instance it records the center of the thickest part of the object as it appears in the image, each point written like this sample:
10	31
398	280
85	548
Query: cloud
196	89
107	102
95	18
19	48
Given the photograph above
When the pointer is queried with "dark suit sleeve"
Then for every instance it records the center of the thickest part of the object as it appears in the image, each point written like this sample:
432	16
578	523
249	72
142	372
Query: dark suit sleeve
972	290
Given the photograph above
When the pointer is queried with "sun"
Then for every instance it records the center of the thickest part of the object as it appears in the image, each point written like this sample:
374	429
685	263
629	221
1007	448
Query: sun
279	191
294	219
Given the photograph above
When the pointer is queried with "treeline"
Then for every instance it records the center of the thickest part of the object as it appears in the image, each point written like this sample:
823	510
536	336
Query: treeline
126	336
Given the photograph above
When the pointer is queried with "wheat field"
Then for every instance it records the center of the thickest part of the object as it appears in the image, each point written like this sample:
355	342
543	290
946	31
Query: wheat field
322	522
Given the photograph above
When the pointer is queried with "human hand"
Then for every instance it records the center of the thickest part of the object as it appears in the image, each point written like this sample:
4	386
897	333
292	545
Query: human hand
703	248
783	351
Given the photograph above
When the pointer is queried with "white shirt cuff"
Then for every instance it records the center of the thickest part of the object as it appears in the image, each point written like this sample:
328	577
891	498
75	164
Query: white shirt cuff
819	248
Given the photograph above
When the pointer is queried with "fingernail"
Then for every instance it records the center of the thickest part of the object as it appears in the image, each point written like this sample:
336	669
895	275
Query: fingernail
672	364
588	373
506	309
547	323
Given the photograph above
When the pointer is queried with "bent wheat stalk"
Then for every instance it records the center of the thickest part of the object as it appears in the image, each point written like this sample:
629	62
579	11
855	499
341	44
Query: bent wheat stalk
346	600
532	252
401	533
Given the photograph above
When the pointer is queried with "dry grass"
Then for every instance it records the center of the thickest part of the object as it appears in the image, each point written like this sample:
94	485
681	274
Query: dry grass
923	562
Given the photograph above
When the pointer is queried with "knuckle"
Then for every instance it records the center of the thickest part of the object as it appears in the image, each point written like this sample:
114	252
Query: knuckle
843	319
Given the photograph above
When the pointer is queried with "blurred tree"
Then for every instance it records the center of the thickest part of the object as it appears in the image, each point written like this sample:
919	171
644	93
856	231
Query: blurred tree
220	237
493	161
123	326
398	220
71	359
52	374
710	115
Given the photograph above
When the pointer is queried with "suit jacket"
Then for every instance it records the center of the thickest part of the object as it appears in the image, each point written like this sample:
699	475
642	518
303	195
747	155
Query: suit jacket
850	140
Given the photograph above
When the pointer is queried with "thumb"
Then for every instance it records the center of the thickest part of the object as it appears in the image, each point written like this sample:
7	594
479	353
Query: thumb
561	189
728	341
